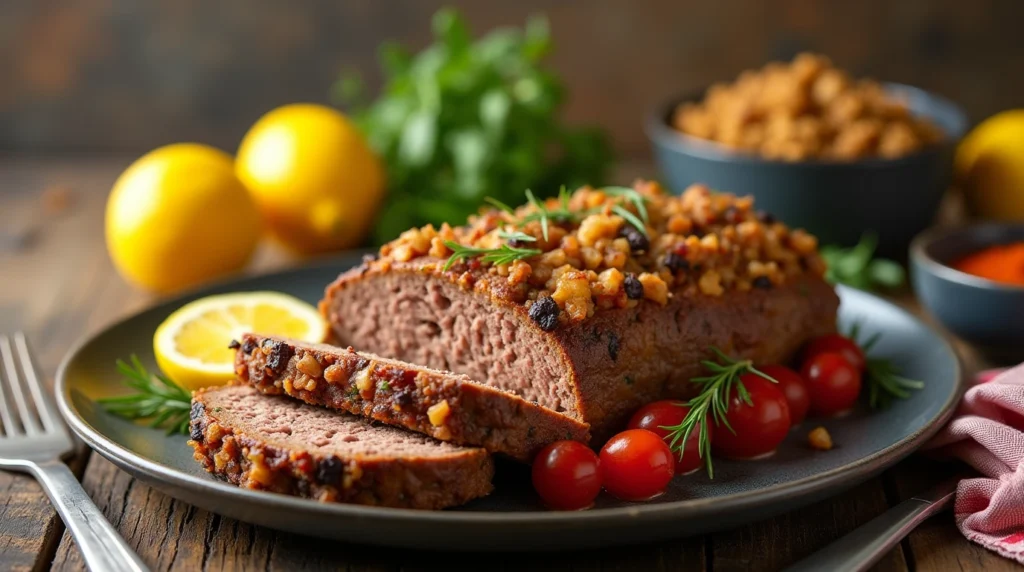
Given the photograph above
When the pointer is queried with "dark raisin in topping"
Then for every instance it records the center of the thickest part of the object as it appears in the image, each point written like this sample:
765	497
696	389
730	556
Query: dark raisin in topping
545	312
248	347
403	399
763	282
637	241
634	289
613	346
516	243
329	470
195	431
676	263
278	357
765	217
234	345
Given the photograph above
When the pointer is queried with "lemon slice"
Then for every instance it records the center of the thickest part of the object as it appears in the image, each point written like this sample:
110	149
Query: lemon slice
191	345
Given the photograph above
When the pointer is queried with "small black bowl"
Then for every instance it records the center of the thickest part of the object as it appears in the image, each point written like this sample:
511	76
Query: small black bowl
986	313
837	201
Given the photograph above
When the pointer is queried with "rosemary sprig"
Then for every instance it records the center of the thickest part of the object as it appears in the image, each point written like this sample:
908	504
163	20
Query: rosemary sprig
505	254
713	402
632	196
157	398
545	215
882	376
516	235
562	213
630	218
500	205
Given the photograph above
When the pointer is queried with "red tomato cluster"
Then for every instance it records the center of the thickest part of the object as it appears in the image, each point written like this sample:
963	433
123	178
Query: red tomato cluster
638	464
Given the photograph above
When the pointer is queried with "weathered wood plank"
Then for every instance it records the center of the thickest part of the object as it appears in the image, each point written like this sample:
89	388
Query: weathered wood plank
52	287
783	540
170	535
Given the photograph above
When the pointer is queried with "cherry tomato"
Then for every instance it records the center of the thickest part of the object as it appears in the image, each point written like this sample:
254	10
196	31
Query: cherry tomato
837	344
758	428
637	465
567	475
654	416
793	387
833	383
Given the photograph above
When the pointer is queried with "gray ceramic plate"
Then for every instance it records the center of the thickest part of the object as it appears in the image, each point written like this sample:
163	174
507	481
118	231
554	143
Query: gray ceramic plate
511	518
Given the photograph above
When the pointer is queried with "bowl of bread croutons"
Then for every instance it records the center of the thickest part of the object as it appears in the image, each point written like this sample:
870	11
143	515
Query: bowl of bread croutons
817	148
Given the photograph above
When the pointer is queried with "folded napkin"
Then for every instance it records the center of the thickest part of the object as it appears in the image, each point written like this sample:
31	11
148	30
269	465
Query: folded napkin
987	433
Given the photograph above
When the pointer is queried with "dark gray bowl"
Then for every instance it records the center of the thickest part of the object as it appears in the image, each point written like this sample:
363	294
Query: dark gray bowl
837	201
986	313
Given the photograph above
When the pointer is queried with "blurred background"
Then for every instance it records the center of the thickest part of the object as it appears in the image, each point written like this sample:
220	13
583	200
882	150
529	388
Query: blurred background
422	109
124	75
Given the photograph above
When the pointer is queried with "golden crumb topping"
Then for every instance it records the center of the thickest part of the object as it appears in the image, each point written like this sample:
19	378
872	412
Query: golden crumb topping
806	109
570	256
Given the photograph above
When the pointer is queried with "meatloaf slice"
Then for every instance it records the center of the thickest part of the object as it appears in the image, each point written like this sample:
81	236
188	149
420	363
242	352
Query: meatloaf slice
598	370
444	405
284	446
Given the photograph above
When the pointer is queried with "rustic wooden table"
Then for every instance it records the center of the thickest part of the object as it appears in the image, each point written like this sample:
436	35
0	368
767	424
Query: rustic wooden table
57	284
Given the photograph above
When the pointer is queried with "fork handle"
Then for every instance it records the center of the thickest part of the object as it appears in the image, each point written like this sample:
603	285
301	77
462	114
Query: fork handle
102	547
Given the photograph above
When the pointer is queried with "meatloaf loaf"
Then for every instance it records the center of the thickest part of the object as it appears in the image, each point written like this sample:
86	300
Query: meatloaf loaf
591	304
444	405
282	445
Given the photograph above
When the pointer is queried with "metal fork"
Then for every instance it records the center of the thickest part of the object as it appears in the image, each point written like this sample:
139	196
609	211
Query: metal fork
33	440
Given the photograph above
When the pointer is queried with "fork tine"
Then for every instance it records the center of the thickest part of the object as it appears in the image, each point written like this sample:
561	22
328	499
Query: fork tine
44	404
28	420
6	413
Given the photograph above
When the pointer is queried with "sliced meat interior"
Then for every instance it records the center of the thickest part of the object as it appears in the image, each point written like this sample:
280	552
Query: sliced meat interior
447	406
599	370
282	445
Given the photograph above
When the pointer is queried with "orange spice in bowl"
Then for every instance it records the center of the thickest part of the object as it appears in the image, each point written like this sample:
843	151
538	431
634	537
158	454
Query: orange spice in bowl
1000	263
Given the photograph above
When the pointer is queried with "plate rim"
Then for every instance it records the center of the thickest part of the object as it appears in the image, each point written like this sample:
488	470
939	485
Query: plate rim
836	478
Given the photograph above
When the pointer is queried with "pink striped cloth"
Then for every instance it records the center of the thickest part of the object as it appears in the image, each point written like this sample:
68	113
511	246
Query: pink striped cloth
988	434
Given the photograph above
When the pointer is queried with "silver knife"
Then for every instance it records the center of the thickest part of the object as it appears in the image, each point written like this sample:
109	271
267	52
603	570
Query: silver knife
867	544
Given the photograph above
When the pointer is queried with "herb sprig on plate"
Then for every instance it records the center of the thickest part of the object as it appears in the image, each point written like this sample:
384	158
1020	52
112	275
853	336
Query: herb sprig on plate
883	379
164	403
712	404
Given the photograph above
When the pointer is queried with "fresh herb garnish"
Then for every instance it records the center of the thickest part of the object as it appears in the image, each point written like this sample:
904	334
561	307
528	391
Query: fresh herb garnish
385	386
883	377
712	401
561	213
158	399
632	196
856	266
504	254
464	118
516	235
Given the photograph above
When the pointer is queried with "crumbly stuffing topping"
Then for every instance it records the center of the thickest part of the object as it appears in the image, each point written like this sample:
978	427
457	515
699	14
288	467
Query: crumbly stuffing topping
806	109
568	257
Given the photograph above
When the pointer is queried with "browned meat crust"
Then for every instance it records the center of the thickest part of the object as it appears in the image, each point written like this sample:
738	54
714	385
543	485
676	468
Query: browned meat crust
599	370
444	405
281	445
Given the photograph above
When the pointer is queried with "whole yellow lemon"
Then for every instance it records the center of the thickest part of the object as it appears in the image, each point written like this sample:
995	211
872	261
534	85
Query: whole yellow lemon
990	167
313	177
179	216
